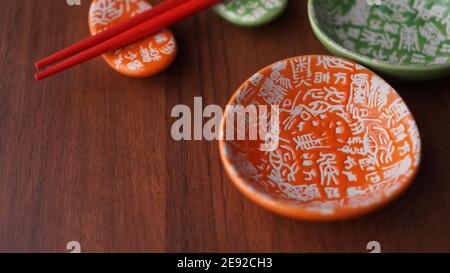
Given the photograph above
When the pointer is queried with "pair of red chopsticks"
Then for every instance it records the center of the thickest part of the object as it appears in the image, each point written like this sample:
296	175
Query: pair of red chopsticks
134	29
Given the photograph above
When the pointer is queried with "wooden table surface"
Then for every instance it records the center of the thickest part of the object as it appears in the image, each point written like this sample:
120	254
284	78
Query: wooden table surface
87	155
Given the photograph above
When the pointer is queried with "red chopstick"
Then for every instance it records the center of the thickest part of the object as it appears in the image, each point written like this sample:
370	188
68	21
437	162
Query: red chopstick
132	35
109	33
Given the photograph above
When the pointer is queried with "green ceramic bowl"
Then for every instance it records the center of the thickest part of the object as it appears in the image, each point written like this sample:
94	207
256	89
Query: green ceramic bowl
407	40
251	13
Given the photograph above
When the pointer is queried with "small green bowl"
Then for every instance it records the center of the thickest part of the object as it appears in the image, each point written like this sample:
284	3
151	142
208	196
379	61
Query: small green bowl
405	40
251	13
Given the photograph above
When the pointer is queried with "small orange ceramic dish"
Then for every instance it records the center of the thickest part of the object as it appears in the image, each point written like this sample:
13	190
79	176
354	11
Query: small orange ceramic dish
347	143
145	58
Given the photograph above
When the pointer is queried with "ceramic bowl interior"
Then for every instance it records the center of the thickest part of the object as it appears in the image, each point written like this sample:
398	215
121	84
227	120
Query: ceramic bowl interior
396	32
347	142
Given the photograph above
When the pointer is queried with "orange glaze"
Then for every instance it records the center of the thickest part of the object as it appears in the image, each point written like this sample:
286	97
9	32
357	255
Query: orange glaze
141	59
348	144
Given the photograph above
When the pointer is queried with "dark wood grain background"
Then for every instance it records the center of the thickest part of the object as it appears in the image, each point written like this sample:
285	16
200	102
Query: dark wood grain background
87	155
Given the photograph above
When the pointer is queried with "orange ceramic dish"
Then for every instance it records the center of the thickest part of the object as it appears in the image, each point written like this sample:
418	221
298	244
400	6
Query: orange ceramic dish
347	143
141	59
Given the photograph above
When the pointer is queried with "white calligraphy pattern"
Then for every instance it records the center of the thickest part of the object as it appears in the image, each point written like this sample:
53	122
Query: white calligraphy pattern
249	10
151	50
396	31
346	143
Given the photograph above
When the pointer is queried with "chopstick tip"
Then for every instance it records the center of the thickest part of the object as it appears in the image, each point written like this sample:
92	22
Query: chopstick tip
38	65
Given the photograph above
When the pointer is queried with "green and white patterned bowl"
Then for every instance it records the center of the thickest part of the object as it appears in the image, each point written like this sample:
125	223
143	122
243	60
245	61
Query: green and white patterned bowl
251	13
403	39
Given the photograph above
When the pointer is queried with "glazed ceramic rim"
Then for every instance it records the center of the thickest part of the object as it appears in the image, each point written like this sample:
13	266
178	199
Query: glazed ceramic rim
324	38
261	23
301	212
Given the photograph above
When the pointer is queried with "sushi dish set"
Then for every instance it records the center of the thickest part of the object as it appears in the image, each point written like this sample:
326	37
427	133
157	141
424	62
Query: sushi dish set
347	142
